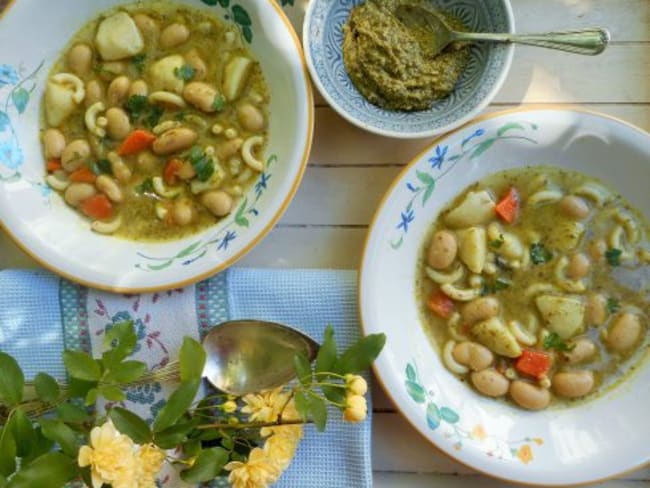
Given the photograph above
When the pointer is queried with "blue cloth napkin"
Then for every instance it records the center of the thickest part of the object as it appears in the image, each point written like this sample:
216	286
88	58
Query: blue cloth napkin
41	314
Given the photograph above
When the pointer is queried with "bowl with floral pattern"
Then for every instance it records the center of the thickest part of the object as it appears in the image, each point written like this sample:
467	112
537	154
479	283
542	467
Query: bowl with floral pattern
60	239
563	445
478	85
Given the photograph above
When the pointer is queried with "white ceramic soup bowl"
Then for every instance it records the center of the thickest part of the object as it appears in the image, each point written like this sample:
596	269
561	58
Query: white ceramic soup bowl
56	236
558	446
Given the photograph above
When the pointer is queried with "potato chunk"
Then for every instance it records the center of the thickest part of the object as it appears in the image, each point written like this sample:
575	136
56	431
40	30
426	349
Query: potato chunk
163	74
118	37
59	103
473	249
235	76
494	335
562	315
476	208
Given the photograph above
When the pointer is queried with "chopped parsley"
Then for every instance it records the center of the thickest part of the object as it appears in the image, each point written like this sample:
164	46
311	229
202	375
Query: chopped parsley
102	167
219	103
185	72
492	287
153	117
539	254
145	187
138	61
202	163
554	341
139	108
613	305
497	243
613	256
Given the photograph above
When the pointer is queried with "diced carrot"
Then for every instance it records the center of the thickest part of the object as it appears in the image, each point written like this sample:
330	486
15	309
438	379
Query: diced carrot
97	207
508	206
441	304
83	175
53	165
136	141
533	363
171	171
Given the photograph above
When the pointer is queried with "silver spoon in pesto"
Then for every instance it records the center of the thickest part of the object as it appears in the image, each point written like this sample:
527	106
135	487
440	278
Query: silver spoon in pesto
436	34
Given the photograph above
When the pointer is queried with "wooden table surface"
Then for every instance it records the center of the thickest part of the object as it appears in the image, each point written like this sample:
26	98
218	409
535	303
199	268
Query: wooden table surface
349	170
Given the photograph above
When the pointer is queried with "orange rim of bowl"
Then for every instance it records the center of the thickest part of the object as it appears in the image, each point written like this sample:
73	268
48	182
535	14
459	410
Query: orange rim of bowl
380	206
263	233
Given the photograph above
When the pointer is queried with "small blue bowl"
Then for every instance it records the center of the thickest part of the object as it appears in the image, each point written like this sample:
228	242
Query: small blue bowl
487	69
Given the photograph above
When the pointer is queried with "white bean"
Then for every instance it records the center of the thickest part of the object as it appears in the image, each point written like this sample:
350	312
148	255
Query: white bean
54	143
75	155
624	332
94	92
139	88
174	35
109	187
476	356
182	212
147	26
118	124
194	60
529	396
480	309
218	202
174	140
490	382
573	384
582	350
78	192
251	118
118	90
228	149
449	358
201	95
442	250
574	207
80	59
595	309
578	266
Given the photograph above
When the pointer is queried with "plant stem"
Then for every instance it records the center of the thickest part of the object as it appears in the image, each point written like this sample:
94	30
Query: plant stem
253	425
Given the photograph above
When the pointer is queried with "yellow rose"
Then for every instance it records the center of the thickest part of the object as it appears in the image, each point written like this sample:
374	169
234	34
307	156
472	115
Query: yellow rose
356	408
265	406
280	449
149	459
257	472
356	384
110	456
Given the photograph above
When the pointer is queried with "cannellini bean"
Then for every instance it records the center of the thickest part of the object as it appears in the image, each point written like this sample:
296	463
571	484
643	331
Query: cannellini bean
118	124
147	161
574	207
120	169
112	69
106	227
147	26
109	187
595	309
570	285
173	35
474	355
573	384
251	118
75	154
139	88
80	59
118	91
174	140
201	95
480	309
490	382
228	148
247	153
182	212
582	350
443	249
448	357
166	125
194	60
54	143
624	332
78	192
218	202
58	180
94	92
529	396
578	266
442	278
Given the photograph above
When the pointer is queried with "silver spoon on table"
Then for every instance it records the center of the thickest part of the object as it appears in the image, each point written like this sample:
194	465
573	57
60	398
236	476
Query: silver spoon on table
247	356
589	41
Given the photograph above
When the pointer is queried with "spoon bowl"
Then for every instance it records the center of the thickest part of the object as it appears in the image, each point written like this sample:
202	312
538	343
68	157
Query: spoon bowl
246	356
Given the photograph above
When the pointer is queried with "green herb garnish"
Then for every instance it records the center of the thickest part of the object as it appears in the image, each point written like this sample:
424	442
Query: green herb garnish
497	243
153	117
136	105
539	254
613	256
492	287
554	341
185	72
613	305
145	187
219	103
102	167
138	61
202	163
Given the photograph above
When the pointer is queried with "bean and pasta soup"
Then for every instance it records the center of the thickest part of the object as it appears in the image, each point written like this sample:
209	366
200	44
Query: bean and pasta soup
154	121
534	284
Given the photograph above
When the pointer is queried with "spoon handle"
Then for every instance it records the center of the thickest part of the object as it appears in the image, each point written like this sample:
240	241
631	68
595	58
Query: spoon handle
590	41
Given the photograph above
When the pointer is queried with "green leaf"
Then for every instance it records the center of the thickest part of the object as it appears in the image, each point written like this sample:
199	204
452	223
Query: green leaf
12	380
482	147
303	369
47	388
91	397
248	33
428	192
158	267
613	305
224	3
136	105
40	446
613	256
3	482
51	470
219	103
302	404
207	466
112	393
119	342
326	357
189	250
81	365
20	97
126	372
240	15
510	126
448	415
130	424
202	163
539	254
102	167
416	392
554	341
145	187
60	433
425	178
210	2
433	416
410	372
172	437
177	404
318	410
72	414
7	448
24	432
192	360
240	219
359	356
